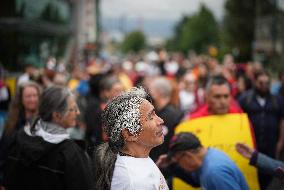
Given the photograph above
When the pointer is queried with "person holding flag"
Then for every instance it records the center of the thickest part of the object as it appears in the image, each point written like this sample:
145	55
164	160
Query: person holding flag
220	123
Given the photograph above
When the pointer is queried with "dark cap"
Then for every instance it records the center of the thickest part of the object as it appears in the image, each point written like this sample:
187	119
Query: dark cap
182	142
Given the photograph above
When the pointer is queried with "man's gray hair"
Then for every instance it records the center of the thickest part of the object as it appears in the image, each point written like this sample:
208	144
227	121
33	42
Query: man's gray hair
216	80
53	99
108	82
122	112
163	86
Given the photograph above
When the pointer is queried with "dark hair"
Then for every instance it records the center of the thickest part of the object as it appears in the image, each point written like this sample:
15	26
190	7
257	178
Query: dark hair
104	162
182	142
53	99
280	74
216	80
108	82
259	74
94	84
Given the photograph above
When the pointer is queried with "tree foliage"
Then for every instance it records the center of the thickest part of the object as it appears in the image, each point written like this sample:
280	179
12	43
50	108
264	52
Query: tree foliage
195	32
239	26
240	23
133	41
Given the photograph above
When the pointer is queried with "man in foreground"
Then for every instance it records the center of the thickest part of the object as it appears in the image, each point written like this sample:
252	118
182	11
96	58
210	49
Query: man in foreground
133	129
206	167
220	123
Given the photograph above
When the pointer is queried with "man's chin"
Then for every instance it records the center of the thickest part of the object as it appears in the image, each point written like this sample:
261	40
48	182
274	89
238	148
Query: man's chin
222	112
161	141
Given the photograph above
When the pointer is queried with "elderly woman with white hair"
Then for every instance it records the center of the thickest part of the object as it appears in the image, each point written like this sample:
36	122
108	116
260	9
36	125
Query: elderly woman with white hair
42	155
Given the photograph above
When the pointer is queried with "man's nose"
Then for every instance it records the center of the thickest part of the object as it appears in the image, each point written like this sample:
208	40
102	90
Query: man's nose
160	120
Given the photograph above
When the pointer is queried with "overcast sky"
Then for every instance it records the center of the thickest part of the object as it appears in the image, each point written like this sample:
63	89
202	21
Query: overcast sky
158	9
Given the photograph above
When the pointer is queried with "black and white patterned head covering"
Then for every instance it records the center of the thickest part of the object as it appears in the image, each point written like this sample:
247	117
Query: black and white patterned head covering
122	112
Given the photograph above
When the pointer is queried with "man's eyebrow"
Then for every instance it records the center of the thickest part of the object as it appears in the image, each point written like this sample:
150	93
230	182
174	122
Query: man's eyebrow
151	112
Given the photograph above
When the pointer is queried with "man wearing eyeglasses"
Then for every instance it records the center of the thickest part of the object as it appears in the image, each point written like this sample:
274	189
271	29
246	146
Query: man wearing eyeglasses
199	166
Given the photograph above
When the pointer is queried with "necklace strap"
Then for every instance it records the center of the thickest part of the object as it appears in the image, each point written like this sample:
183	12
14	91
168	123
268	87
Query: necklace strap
124	154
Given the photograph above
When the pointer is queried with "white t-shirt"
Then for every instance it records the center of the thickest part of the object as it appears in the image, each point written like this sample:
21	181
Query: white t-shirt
137	174
261	101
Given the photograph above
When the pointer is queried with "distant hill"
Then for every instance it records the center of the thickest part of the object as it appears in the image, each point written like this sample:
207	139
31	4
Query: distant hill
152	28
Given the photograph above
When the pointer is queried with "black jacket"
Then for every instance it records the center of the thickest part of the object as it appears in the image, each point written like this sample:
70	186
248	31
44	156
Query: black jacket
36	164
94	129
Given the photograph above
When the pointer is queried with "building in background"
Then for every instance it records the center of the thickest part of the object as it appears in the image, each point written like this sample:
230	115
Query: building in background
86	30
269	40
32	31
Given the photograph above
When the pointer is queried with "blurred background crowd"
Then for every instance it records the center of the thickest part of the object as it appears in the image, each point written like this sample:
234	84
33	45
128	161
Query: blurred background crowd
68	43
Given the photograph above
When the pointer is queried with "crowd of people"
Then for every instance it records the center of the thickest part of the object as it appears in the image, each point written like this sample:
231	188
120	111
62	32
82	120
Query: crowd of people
112	124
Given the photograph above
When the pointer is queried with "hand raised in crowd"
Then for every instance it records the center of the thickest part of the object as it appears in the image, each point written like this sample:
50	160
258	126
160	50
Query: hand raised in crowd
244	150
163	161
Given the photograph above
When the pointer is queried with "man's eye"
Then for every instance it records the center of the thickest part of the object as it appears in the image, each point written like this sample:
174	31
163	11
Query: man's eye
150	117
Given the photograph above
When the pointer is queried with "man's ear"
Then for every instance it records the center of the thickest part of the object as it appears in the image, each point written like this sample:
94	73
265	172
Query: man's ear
127	136
56	116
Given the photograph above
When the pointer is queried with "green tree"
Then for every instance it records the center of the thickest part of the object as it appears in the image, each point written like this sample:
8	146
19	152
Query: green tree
172	44
240	22
239	25
133	41
196	32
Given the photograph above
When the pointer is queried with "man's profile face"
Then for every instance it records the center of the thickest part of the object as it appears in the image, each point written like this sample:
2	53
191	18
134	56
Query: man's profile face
151	134
218	99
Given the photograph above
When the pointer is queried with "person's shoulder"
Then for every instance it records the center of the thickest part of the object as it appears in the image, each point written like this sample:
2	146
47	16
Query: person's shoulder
136	166
128	160
71	148
122	163
121	178
219	171
218	159
219	180
246	95
279	98
171	113
200	112
219	153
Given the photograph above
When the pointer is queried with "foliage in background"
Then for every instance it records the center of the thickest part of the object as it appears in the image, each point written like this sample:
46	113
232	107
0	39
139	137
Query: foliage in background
240	24
196	32
133	41
234	34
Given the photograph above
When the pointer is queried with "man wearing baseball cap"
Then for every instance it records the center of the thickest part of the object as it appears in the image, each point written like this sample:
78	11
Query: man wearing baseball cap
199	166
